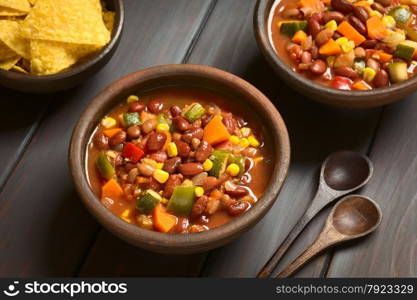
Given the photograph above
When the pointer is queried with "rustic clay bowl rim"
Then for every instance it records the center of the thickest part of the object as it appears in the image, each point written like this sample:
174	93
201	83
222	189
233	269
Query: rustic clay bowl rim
78	68
179	243
354	99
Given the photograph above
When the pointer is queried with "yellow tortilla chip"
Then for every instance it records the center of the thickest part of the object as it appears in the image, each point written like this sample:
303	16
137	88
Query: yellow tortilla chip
9	12
19	69
108	18
20	5
49	57
6	52
75	21
10	35
9	63
32	2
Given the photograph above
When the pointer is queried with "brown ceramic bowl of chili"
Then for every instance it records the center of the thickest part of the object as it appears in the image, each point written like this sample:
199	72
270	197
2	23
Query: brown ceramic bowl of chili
179	158
344	53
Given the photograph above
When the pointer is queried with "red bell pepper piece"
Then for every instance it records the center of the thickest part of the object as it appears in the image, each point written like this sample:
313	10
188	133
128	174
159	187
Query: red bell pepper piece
342	83
132	152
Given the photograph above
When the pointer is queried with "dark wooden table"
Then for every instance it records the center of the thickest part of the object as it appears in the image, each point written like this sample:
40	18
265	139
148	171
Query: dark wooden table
45	231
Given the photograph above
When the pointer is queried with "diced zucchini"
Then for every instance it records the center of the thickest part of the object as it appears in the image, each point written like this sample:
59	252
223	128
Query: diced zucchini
163	119
400	14
398	71
291	27
147	201
105	168
405	50
195	112
182	200
359	65
219	159
130	119
240	161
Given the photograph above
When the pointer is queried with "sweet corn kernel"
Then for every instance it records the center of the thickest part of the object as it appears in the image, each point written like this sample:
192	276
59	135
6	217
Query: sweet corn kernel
349	46
233	169
125	215
258	159
162	127
244	143
341	41
187	182
172	149
160	176
234	139
253	141
108	122
111	154
331	25
207	165
245	131
150	162
132	98
388	21
199	191
375	13
371	2
330	61
164	200
368	74
159	166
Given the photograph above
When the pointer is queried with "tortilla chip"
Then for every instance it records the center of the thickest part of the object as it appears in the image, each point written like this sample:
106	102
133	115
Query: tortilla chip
49	57
6	52
9	12
75	21
9	63
10	35
108	18
32	2
19	69
20	5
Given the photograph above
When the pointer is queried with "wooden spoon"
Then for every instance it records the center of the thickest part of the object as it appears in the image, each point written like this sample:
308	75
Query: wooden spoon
352	217
341	173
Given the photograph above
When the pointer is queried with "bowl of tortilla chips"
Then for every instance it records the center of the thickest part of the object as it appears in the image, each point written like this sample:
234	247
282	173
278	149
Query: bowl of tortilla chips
53	45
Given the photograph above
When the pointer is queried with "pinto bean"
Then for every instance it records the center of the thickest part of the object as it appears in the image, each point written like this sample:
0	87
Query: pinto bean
361	13
181	124
190	169
156	140
359	26
132	175
155	106
192	133
145	169
172	164
160	156
195	143
237	208
118	138
318	67
133	132
323	36
210	183
149	125
199	206
306	57
290	13
359	52
175	111
381	79
333	15
203	151
183	149
212	206
172	182
347	72
197	228
101	141
137	106
342	6
373	64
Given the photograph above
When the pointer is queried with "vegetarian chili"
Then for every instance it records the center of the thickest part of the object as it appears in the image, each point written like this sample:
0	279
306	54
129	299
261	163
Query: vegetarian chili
172	160
349	45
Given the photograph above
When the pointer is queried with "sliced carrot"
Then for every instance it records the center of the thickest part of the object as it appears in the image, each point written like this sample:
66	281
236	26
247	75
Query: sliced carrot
215	132
110	132
376	28
169	139
351	33
146	116
317	6
330	48
360	86
299	37
363	3
112	190
385	57
163	221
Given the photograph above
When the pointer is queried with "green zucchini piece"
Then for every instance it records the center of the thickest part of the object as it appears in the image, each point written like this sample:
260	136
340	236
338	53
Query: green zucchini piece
239	160
147	201
359	65
219	159
182	200
130	119
404	51
195	112
400	14
291	27
104	166
398	71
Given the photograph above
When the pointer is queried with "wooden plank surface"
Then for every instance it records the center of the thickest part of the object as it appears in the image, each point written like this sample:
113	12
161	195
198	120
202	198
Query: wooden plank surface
44	228
315	131
392	250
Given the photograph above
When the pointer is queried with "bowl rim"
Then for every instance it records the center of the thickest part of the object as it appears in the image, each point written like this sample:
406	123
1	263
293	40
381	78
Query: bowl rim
355	98
191	242
72	71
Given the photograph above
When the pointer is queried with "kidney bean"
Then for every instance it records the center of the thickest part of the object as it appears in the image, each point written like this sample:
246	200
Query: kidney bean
190	169
318	67
192	133
342	6
199	206
323	36
373	64
160	156
347	72
306	57
197	124
384	2
153	184
230	124
145	169
101	141
359	26
156	140
413	9
133	132
155	106
149	125
183	149
237	208
210	183
313	27
206	119
181	124
203	151
172	164
175	111
378	7
118	138
369	44
317	17
129	166
136	106
172	182
333	15
381	79
132	175
361	13
238	192
290	13
181	226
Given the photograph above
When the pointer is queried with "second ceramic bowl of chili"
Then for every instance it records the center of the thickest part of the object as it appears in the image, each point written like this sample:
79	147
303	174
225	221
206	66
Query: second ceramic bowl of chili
179	158
344	53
